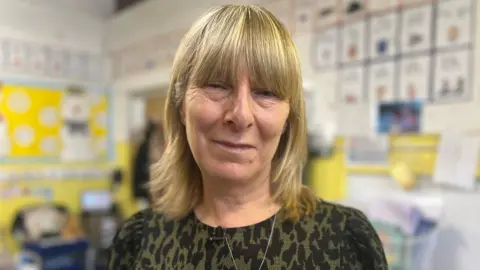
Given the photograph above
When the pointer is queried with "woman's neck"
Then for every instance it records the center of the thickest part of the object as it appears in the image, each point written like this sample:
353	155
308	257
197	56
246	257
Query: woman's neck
239	206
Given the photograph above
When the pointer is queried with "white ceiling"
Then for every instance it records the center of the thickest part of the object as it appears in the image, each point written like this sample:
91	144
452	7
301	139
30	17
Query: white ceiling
102	9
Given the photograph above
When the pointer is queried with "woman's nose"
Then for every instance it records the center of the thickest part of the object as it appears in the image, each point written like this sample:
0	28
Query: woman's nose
240	114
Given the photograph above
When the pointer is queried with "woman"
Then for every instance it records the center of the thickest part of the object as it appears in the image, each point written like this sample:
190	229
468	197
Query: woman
227	191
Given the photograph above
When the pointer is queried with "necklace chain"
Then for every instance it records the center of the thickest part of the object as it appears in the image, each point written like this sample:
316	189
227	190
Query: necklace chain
266	248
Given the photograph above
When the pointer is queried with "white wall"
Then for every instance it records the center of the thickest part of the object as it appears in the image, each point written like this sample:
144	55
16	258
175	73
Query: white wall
102	9
69	28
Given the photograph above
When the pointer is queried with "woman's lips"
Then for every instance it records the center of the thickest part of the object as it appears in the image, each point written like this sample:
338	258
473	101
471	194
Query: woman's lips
233	146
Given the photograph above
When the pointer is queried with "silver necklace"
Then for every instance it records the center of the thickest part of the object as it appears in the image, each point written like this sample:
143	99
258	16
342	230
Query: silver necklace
266	248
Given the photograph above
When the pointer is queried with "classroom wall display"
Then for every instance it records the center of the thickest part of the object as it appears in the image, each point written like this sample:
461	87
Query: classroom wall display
26	58
399	51
54	124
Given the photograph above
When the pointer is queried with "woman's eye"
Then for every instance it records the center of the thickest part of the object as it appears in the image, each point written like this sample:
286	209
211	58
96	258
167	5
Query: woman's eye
216	85
265	93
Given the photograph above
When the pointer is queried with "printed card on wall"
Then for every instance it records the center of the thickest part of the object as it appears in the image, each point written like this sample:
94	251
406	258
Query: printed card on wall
78	66
39	57
452	76
454	23
414	78
383	5
353	9
384	36
59	63
326	13
18	55
381	83
353	42
417	29
352	83
304	12
326	48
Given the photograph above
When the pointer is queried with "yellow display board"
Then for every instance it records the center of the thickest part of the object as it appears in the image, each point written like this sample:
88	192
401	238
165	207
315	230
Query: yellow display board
51	128
44	124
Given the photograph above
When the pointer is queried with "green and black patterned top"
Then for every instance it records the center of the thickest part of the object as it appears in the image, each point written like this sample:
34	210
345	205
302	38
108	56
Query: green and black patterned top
336	238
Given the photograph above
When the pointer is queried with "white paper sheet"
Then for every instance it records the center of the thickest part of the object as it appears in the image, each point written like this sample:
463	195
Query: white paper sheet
381	82
352	85
454	23
326	48
457	159
452	82
416	29
383	36
353	42
414	78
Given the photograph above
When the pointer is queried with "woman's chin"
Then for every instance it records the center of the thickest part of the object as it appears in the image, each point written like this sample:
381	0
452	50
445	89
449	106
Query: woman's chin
236	173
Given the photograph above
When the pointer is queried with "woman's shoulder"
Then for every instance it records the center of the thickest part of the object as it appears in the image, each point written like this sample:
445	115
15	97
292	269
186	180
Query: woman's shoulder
338	215
340	219
131	229
353	232
127	241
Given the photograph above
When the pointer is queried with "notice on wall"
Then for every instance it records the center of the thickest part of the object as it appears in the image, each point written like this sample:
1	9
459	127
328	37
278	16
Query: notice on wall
367	151
415	78
452	77
354	40
457	161
327	49
352	85
383	36
382	82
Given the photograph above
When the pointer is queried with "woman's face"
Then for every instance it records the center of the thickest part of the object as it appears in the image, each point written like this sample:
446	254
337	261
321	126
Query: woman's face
233	133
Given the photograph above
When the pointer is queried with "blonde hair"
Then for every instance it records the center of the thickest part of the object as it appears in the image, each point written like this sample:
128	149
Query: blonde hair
210	51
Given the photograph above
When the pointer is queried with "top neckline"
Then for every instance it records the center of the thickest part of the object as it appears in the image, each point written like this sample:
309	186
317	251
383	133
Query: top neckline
266	223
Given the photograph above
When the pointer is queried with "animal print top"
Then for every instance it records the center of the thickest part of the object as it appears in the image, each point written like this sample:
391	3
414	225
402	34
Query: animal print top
335	238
